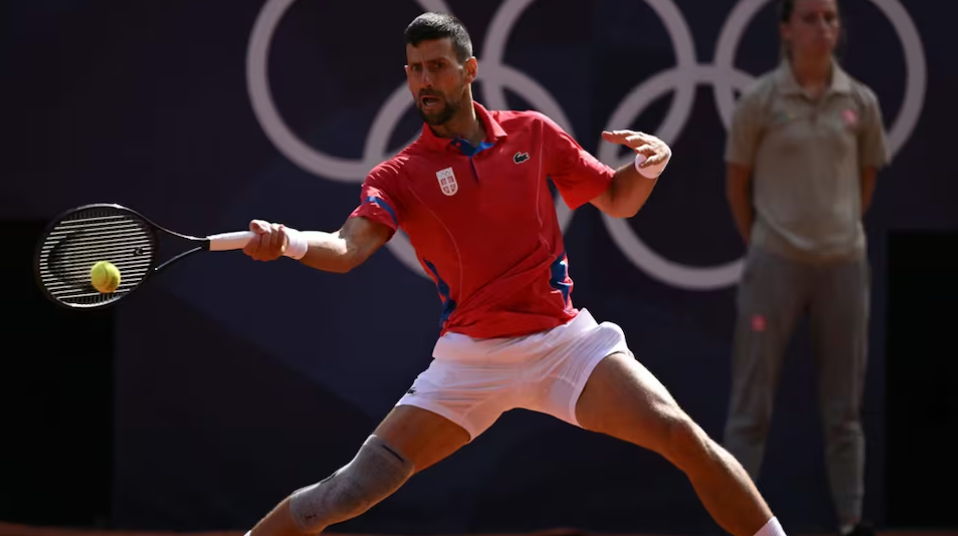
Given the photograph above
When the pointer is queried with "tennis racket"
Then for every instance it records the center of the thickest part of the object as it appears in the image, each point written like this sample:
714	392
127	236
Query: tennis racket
80	237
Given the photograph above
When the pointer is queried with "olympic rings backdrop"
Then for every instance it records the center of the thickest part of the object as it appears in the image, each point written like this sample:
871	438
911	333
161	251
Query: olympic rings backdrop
238	382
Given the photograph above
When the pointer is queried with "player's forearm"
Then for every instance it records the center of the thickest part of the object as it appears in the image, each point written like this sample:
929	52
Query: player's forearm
630	190
328	252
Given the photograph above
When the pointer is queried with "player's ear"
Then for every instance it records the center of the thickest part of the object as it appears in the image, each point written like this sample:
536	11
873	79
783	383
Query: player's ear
472	69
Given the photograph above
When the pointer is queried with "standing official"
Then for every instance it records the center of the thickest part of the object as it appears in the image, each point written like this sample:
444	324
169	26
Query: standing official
806	144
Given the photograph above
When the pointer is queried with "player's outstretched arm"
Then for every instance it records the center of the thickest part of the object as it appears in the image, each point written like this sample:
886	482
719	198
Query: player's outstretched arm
337	252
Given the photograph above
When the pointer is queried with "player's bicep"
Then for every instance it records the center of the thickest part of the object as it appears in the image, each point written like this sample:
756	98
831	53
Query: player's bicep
363	237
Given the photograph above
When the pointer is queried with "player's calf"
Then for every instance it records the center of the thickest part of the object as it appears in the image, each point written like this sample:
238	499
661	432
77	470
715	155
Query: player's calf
720	481
687	445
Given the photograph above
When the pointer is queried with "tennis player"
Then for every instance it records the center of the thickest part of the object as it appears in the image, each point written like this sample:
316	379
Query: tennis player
472	196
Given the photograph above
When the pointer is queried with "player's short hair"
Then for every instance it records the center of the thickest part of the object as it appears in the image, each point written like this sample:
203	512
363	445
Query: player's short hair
436	25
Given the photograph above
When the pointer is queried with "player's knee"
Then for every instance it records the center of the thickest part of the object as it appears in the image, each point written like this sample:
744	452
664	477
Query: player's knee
376	472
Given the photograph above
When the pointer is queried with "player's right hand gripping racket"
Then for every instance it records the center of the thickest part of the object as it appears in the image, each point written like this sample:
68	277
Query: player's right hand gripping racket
79	238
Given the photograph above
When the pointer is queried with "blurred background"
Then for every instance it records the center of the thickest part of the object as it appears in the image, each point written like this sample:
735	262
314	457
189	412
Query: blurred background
225	384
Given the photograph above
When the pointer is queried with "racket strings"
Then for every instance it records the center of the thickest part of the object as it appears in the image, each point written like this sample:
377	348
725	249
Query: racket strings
82	239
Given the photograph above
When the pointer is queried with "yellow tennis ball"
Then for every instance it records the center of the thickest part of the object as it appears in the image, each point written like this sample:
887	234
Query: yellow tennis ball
105	277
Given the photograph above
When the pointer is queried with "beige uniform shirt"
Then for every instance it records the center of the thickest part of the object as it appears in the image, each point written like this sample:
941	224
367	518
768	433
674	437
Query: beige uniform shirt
806	157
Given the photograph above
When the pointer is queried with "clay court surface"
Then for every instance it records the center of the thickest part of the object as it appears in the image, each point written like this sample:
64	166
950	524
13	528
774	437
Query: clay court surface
7	529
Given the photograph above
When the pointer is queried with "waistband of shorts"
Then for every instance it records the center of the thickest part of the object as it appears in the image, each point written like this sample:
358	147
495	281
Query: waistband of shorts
459	347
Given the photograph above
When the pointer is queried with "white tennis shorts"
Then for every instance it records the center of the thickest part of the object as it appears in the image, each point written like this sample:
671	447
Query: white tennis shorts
473	381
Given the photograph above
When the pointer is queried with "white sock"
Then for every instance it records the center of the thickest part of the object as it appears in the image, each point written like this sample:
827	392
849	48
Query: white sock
772	528
845	529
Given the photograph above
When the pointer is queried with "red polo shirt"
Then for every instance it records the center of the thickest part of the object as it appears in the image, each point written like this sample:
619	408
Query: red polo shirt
483	222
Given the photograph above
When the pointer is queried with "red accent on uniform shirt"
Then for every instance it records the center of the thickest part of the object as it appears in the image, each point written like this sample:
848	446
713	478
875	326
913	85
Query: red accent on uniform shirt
483	222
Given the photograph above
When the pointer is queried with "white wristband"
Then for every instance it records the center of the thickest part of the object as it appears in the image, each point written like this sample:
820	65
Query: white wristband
651	172
297	246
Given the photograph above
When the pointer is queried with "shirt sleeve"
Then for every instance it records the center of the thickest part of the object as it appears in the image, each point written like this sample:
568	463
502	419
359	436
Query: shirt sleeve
872	142
579	176
378	198
745	132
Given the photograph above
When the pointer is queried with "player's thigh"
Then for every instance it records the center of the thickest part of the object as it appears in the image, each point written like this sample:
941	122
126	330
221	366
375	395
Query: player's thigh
421	436
624	400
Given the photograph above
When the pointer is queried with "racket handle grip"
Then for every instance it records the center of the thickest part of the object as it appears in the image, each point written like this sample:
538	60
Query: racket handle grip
230	241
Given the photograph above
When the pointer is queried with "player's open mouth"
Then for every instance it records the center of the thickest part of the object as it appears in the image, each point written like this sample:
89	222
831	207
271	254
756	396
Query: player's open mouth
430	102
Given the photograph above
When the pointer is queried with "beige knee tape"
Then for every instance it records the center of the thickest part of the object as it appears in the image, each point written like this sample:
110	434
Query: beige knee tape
376	472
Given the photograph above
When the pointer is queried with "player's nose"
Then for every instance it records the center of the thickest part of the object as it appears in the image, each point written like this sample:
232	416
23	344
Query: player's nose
425	79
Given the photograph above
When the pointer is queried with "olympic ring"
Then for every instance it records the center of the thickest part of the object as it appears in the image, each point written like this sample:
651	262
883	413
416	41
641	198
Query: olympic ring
494	76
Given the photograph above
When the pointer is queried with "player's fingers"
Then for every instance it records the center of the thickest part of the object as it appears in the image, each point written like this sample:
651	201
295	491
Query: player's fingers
258	226
262	253
645	150
252	247
616	136
265	240
283	239
662	154
653	160
279	240
631	139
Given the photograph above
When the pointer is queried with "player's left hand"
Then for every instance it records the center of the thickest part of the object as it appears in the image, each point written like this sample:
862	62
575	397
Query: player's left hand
652	148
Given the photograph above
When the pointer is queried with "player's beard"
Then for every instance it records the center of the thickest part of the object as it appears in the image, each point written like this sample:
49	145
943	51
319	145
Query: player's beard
441	116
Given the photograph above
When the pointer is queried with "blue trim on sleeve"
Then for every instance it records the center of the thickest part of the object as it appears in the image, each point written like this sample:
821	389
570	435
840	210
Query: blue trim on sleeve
385	206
